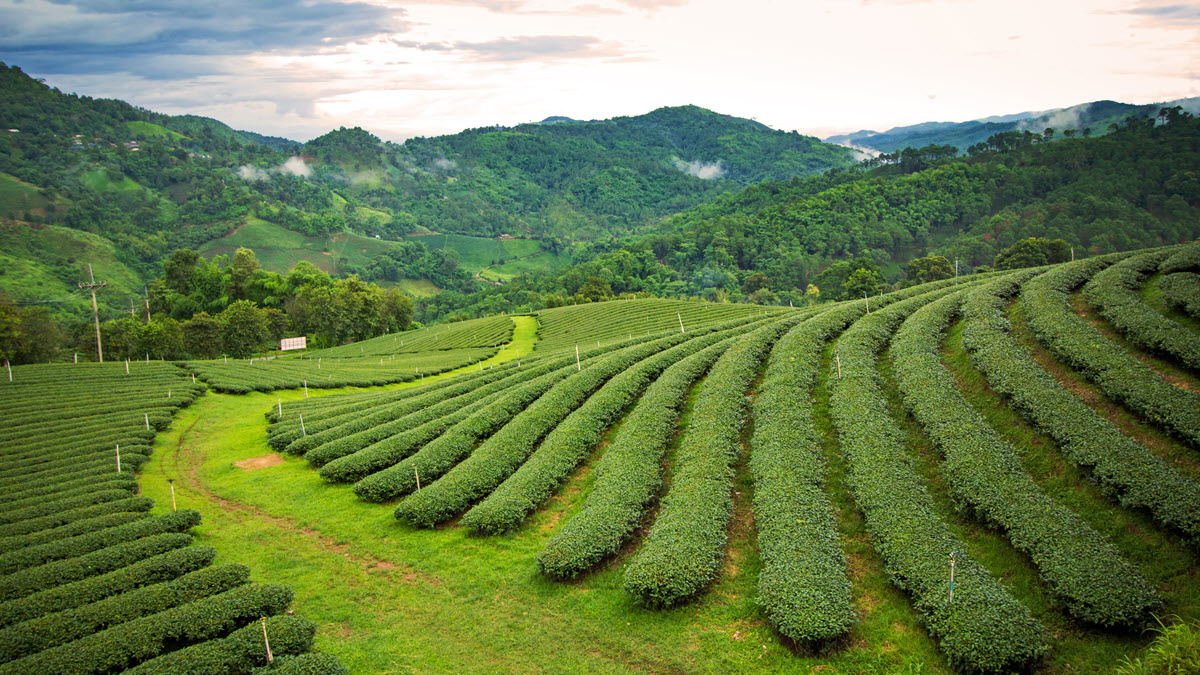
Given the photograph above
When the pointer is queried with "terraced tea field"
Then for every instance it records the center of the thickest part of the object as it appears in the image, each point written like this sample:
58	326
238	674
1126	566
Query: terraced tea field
994	475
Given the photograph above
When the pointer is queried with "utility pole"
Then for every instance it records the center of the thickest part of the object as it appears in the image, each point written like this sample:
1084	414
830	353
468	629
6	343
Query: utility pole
92	286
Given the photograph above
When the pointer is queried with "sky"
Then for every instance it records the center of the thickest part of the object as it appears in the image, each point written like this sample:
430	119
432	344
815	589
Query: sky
428	67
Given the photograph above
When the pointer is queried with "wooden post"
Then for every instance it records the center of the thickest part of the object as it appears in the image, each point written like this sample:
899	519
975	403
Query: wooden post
280	399
267	643
418	476
118	458
838	356
76	357
305	387
168	393
577	368
172	482
126	366
193	378
302	431
9	367
680	322
147	421
868	301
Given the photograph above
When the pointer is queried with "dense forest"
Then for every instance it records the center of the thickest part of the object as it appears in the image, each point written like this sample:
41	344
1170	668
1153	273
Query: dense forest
1138	186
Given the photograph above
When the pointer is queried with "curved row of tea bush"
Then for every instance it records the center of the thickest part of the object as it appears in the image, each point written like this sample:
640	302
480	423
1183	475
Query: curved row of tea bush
439	455
491	331
683	550
1181	290
296	440
71	547
138	640
1045	304
616	320
628	475
51	630
1114	292
241	651
89	581
984	628
500	455
1080	567
570	443
1121	466
242	377
432	416
151	570
803	586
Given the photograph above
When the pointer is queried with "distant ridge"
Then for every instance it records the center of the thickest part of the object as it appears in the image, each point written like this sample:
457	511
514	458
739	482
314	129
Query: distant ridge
1096	115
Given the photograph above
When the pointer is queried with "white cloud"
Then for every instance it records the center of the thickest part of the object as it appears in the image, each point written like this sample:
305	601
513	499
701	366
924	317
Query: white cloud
699	169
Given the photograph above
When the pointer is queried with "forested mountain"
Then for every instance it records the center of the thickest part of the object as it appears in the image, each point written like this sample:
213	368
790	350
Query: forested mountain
1138	186
1085	119
145	184
567	179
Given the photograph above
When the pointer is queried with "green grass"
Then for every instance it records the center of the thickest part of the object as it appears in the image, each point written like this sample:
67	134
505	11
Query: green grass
43	264
537	262
279	249
18	197
151	130
99	181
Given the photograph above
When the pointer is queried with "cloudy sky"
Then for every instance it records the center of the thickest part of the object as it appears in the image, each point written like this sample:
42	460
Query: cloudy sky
425	67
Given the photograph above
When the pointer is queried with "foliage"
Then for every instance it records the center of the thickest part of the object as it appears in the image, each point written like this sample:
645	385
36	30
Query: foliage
1174	651
1114	292
1044	303
683	549
1124	468
984	628
983	472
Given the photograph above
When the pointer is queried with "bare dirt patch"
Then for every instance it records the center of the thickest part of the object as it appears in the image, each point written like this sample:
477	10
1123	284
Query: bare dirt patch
260	462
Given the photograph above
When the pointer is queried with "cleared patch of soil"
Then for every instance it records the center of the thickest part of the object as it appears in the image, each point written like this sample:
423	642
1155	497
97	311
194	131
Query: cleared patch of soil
260	462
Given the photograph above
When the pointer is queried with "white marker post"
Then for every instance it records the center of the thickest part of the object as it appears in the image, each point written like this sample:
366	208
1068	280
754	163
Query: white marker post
126	366
147	421
172	482
838	356
951	576
280	399
267	643
9	366
118	458
577	368
302	431
868	301
418	477
306	388
680	322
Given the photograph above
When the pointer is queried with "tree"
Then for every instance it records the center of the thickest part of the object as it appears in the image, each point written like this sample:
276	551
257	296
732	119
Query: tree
243	328
862	282
202	336
929	268
756	281
241	273
812	293
595	290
